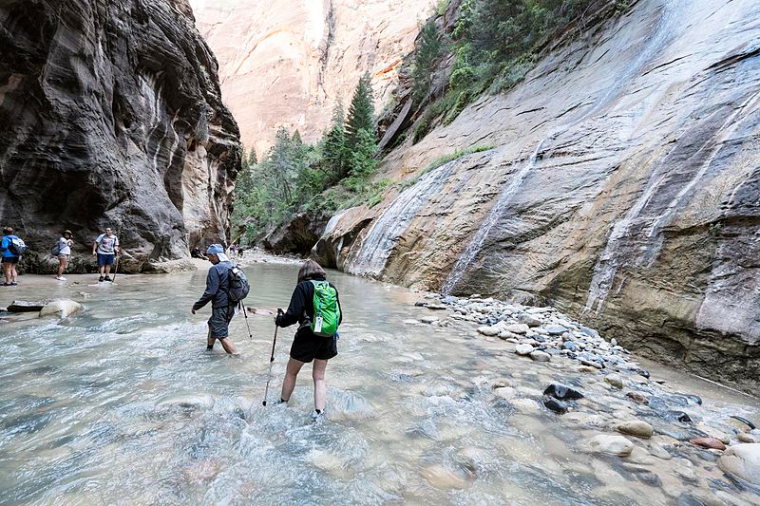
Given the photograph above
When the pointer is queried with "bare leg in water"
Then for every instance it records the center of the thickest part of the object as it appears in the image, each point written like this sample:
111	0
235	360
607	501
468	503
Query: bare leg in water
317	374
320	387
289	383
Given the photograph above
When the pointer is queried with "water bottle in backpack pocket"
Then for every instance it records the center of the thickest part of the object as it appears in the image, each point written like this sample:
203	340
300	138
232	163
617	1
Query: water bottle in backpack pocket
326	310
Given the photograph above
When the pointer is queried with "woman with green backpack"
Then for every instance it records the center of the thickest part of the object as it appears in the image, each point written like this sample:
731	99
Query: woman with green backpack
315	306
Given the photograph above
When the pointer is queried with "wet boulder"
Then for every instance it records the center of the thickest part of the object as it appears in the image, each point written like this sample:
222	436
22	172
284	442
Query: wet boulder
638	428
610	444
710	443
26	306
562	392
61	308
742	460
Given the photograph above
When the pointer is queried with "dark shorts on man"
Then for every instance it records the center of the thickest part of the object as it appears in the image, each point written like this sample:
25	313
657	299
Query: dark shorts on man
10	260
105	259
219	323
306	346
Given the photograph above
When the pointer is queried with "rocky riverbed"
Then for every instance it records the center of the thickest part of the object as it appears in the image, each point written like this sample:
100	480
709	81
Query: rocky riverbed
636	425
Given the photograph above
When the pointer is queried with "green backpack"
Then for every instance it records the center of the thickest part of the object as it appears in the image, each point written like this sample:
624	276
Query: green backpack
326	310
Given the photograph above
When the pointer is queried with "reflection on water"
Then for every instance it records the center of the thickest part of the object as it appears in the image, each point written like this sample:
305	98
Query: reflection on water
123	405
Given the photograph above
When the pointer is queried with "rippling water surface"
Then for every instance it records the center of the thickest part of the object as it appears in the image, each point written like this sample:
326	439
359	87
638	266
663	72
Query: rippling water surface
122	405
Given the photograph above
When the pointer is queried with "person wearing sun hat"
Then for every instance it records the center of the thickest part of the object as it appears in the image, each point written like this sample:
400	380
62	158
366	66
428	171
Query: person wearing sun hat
222	311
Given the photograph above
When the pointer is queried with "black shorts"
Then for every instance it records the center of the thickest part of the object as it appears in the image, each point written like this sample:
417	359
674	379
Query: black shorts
10	260
306	346
219	323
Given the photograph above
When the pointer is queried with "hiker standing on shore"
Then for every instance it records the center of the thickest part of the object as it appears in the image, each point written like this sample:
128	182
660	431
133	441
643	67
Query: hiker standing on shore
105	248
315	306
11	247
217	292
62	250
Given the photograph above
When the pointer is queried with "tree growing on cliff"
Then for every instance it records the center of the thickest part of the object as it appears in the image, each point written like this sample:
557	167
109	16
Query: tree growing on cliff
361	112
426	55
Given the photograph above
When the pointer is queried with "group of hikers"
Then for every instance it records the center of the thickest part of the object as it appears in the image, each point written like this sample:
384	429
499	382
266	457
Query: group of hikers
314	306
105	249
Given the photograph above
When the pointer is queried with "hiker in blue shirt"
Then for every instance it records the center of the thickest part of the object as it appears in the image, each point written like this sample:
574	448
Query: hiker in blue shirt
106	248
12	247
222	310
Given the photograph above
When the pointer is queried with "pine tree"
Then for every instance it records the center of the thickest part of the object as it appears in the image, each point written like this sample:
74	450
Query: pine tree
334	145
361	113
425	57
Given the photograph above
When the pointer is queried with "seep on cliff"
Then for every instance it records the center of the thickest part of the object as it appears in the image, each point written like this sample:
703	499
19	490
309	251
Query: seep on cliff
111	115
618	181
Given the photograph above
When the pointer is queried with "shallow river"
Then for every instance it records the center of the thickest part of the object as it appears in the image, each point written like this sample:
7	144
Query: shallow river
123	405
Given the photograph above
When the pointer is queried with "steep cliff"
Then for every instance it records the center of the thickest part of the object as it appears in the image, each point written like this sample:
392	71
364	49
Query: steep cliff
622	184
111	115
287	62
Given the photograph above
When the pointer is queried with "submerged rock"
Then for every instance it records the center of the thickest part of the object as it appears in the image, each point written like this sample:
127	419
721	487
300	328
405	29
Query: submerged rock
742	460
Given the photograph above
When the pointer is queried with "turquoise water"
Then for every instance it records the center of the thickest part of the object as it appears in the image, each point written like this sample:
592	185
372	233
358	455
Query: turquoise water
122	404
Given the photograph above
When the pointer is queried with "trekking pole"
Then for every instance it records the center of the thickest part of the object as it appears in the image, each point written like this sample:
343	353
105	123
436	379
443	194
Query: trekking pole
115	269
245	313
271	361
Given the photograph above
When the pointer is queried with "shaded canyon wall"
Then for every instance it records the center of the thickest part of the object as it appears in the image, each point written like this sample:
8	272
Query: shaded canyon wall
111	115
622	185
287	62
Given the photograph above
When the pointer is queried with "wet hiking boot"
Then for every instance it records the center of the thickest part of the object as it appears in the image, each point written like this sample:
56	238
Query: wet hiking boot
107	278
318	416
100	278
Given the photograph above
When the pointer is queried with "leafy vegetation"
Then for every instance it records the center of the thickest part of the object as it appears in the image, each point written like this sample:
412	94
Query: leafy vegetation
494	43
334	173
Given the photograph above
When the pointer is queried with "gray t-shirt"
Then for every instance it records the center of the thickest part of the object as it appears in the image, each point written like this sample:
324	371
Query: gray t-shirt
106	244
64	246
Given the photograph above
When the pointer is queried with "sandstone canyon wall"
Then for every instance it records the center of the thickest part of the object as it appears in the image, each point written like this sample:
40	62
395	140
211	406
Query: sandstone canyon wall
287	62
622	185
111	115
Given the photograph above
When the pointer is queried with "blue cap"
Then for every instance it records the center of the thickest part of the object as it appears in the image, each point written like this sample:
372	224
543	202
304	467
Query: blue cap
215	249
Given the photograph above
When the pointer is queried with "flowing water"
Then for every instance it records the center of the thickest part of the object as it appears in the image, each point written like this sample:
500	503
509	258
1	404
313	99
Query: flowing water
121	404
384	235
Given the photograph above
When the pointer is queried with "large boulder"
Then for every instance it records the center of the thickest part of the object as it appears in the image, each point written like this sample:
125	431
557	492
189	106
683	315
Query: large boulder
112	116
742	460
61	308
298	236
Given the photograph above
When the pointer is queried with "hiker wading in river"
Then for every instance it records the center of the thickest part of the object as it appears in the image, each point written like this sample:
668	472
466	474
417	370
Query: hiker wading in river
222	309
317	335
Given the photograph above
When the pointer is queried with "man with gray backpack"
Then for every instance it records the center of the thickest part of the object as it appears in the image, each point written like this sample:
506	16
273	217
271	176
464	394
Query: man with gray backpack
315	306
226	286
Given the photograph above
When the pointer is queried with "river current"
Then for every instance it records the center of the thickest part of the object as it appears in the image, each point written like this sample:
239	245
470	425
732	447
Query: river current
122	404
